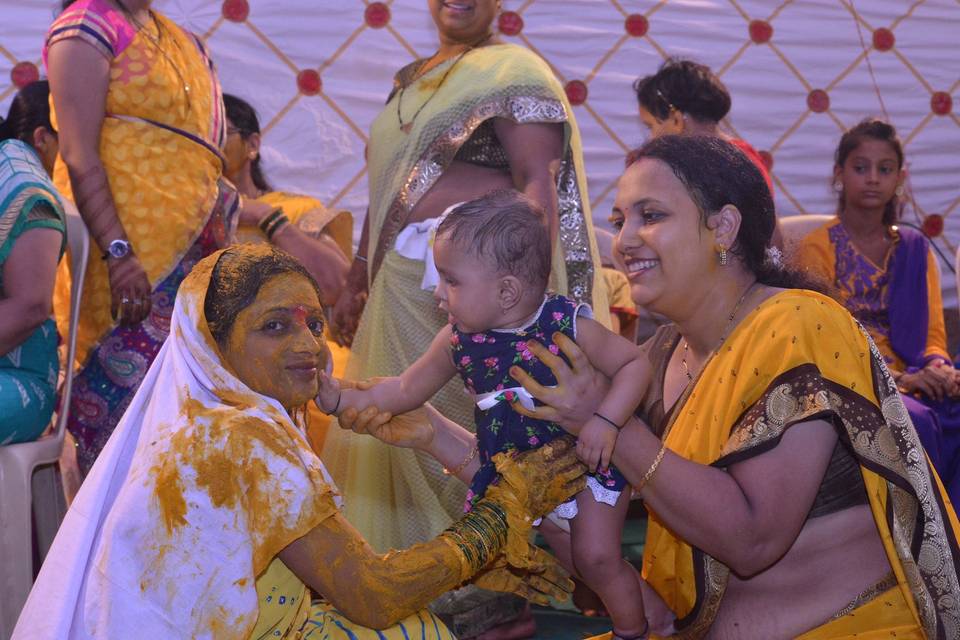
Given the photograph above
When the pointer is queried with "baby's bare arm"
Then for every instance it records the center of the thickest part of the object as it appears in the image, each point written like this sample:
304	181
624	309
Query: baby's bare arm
620	360
413	387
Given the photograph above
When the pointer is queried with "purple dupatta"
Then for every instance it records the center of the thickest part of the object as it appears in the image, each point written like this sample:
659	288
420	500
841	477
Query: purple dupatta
908	307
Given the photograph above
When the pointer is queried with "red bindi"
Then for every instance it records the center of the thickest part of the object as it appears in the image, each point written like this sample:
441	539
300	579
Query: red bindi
300	313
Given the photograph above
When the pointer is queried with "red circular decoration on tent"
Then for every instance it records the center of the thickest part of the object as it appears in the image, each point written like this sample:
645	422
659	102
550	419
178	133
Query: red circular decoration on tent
818	101
235	10
883	39
377	15
941	103
23	73
767	158
576	92
760	31
510	23
636	25
933	225
308	82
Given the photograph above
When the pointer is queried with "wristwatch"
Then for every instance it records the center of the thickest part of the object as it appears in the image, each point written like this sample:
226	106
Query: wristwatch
118	248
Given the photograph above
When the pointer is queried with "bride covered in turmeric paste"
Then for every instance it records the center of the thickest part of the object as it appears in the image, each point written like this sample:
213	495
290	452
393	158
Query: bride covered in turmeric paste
208	515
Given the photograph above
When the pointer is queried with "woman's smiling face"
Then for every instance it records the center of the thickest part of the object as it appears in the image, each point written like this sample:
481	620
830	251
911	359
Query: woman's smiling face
276	345
464	21
664	243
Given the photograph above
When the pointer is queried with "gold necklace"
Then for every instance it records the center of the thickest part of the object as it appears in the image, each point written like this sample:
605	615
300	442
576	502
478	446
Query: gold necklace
723	335
406	127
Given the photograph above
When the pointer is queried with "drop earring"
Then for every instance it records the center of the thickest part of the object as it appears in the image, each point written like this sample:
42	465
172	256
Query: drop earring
838	186
723	256
899	191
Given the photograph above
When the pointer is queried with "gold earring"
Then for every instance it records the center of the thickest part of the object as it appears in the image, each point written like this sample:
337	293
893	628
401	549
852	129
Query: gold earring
723	256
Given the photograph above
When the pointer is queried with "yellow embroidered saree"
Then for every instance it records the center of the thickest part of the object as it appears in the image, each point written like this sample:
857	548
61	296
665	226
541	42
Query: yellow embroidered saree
396	497
798	357
159	144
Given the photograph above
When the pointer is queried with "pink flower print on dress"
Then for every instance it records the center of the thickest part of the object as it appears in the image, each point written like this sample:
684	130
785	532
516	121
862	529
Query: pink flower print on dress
465	361
558	315
533	441
478	338
491	340
491	362
525	353
554	349
455	339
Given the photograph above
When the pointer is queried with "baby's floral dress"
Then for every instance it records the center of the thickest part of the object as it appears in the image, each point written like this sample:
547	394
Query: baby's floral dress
484	360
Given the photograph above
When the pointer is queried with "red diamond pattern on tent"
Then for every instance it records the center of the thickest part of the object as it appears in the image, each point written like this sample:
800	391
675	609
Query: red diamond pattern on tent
799	71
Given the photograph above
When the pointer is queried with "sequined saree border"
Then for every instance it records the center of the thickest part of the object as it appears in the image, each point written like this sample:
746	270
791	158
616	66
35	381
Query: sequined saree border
884	442
521	109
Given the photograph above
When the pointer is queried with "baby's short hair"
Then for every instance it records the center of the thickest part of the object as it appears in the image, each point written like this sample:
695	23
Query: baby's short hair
507	229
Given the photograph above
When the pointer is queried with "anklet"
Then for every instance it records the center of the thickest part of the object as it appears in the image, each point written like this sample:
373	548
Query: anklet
643	635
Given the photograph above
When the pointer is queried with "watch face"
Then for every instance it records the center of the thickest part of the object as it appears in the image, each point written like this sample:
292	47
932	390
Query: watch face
119	248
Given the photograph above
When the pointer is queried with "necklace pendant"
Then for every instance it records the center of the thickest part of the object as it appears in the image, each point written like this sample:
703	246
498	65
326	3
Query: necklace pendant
186	88
406	127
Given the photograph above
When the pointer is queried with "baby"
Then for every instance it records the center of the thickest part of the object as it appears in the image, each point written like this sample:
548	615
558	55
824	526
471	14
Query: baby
493	258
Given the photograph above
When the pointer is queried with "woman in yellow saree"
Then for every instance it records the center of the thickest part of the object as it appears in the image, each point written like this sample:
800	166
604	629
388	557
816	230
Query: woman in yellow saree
138	107
208	515
788	492
476	116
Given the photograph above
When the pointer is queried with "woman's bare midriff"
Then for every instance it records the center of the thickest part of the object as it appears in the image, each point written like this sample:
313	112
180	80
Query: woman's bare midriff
833	560
460	182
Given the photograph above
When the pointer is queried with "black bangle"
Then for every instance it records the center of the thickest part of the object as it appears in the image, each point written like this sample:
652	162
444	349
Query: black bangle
643	635
608	421
268	219
337	407
280	222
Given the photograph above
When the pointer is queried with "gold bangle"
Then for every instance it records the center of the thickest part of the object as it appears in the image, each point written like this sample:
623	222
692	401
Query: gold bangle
653	468
463	465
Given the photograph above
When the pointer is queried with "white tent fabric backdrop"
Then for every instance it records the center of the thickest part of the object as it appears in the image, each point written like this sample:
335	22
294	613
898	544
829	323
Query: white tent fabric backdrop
799	71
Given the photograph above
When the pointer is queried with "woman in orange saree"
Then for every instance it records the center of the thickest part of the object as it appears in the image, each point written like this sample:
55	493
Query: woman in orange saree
788	492
138	107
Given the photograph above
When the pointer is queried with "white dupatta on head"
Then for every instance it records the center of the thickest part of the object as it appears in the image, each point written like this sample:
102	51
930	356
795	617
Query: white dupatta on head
201	484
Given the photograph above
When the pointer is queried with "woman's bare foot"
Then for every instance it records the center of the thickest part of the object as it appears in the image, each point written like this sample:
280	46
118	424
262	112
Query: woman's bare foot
524	626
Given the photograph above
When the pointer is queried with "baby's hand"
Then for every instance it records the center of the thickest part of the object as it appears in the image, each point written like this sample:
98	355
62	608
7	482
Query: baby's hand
595	444
329	397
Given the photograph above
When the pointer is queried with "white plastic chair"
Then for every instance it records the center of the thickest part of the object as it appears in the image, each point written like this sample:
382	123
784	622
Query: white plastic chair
20	487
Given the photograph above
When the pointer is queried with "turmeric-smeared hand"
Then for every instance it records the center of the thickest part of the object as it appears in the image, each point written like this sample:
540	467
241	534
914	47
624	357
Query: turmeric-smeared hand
542	580
530	485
